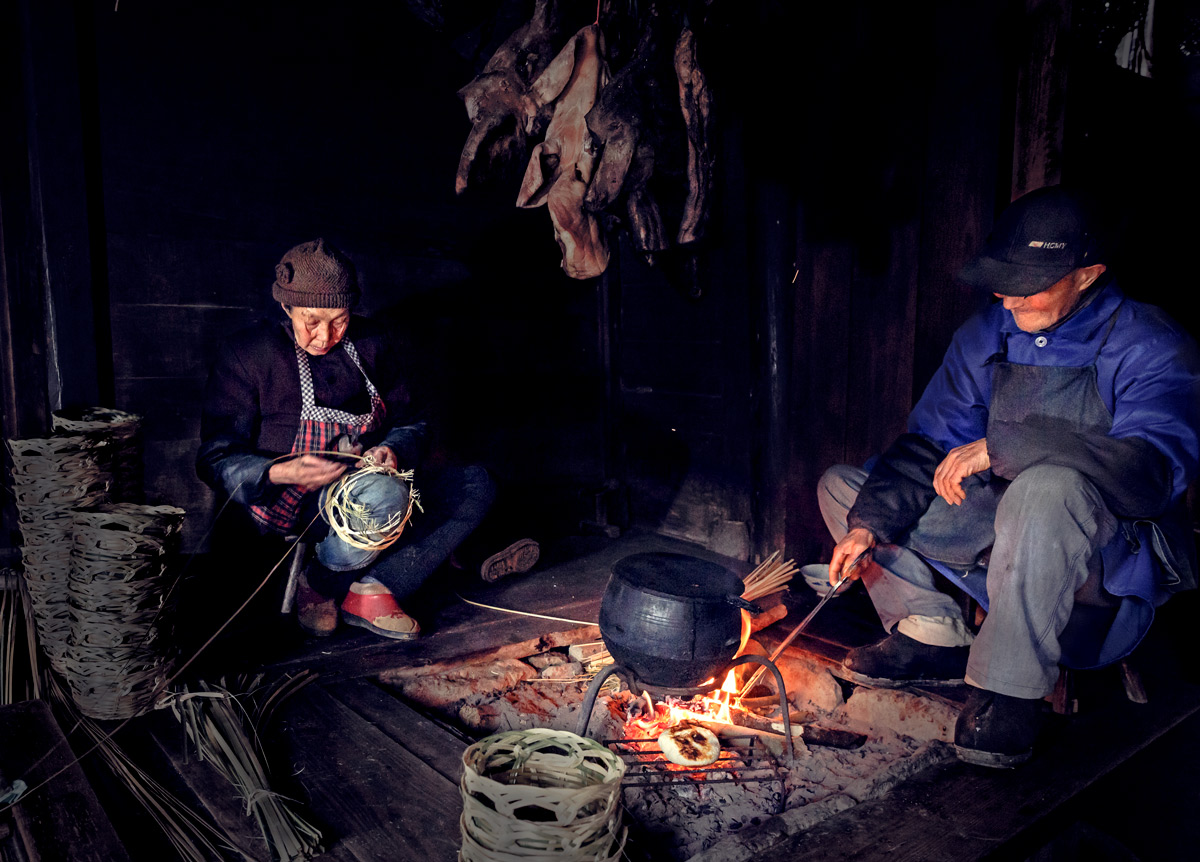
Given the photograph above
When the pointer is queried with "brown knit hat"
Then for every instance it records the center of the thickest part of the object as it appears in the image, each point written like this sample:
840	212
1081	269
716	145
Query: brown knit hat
315	275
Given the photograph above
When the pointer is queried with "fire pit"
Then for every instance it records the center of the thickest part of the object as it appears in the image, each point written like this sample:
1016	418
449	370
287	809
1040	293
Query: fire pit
672	624
766	782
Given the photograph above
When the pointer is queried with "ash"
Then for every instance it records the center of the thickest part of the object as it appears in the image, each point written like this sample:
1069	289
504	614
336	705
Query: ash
678	820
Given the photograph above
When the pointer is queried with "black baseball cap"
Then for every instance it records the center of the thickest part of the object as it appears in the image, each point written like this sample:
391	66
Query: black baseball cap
1038	239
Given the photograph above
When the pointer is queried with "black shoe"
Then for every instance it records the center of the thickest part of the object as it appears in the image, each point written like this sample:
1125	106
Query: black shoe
899	660
517	558
996	730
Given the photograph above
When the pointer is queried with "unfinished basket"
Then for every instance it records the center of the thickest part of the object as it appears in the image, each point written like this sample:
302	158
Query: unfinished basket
121	648
52	476
123	432
541	794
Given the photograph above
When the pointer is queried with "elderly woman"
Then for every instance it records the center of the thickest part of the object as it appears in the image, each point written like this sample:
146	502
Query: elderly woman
325	380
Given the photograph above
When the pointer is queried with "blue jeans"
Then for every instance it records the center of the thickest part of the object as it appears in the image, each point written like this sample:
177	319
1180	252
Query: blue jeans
454	503
1049	527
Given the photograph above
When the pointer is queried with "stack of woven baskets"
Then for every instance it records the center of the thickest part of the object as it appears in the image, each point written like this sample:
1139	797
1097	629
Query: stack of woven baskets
95	559
52	477
120	650
541	794
122	432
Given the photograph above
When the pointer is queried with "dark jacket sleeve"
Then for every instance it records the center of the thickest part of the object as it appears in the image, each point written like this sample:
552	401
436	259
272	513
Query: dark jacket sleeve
1132	475
228	460
898	489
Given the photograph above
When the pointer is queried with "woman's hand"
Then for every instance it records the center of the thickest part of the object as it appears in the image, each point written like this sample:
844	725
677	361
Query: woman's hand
384	456
856	544
961	462
308	472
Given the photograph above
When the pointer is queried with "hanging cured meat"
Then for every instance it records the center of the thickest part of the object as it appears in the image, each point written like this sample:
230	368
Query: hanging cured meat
632	122
497	100
695	102
558	172
634	151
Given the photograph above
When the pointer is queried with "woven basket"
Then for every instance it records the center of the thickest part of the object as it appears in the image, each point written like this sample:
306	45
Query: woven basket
51	476
120	649
123	432
540	794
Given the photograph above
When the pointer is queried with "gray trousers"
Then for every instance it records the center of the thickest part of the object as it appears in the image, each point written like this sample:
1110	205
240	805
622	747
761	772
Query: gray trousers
1049	527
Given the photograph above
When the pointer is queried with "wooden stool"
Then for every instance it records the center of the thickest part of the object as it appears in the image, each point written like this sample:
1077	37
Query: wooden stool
295	567
1063	699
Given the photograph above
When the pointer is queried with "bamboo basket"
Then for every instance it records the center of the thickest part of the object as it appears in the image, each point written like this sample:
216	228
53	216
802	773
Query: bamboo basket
120	650
541	794
51	476
123	432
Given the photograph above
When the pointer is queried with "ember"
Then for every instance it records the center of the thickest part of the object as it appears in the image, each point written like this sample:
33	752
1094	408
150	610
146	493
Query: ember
665	715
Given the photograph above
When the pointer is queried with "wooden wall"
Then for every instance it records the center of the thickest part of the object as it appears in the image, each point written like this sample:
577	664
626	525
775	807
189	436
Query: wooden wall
163	156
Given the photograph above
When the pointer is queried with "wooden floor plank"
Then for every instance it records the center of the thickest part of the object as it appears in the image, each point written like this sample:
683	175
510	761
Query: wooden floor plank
567	584
60	820
207	791
374	799
431	743
959	813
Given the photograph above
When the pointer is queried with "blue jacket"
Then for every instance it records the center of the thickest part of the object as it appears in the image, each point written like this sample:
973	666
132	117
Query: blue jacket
1148	377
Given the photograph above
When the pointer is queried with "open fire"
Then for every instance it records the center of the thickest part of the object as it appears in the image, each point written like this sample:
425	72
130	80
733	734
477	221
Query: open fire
652	719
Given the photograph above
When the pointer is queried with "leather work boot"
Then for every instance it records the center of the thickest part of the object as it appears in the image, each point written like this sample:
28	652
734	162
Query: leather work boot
517	558
898	660
316	614
996	730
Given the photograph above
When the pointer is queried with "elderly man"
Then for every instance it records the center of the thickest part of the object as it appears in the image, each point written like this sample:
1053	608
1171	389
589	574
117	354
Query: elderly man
1044	471
323	380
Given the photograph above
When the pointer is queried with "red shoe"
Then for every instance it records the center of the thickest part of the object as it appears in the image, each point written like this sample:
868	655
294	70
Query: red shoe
517	558
373	607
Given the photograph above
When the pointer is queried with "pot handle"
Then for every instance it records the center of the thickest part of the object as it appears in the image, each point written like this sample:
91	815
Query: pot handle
739	602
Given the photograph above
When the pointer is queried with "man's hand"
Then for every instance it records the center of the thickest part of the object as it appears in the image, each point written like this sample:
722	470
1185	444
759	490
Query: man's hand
384	456
307	471
961	462
858	542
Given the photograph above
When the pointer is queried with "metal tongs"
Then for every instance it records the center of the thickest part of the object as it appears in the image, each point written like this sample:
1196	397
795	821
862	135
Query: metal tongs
829	594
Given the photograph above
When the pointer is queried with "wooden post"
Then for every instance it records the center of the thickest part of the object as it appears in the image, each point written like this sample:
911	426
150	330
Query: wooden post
1039	129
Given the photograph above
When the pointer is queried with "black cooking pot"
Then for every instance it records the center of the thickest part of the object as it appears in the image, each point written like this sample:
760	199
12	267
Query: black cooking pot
673	620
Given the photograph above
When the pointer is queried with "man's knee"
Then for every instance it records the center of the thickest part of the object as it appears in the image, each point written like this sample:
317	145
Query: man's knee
839	485
1049	487
836	492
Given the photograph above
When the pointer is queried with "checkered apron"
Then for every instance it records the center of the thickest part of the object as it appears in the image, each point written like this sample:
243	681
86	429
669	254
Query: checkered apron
319	426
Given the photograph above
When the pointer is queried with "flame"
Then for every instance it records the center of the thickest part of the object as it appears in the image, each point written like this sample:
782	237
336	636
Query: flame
712	707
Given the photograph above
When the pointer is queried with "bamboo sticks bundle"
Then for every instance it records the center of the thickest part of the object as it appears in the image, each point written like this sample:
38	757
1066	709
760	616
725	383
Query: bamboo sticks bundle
770	576
226	733
191	836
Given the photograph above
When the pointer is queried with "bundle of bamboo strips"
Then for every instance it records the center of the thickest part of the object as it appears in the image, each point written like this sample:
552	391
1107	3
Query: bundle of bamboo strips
192	837
225	734
19	678
769	577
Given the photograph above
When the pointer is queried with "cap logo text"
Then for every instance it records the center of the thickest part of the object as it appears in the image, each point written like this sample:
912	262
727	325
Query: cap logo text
1037	243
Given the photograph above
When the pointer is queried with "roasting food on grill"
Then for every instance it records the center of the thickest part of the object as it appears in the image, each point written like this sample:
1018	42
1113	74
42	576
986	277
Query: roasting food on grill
690	744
